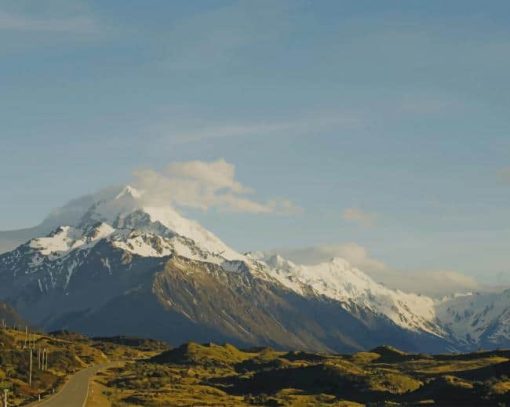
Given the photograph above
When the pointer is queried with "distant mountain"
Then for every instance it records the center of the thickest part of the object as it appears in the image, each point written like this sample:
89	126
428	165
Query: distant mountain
477	320
114	265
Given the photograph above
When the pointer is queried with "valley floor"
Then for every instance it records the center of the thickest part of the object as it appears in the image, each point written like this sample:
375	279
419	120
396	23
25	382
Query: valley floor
214	375
69	355
222	375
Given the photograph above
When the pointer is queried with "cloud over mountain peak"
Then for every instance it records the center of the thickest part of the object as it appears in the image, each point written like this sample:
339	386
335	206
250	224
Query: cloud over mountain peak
204	185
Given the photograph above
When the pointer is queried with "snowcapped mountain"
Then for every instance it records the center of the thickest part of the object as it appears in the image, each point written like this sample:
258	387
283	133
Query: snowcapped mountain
477	319
340	281
127	210
114	264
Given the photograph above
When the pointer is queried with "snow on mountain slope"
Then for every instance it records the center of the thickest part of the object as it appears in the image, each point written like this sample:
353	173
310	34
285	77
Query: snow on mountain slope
115	208
121	221
118	218
68	242
340	281
122	218
477	318
168	217
153	245
67	238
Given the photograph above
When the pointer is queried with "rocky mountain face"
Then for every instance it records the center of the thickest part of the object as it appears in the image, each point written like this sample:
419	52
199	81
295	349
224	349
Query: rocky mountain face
479	320
115	265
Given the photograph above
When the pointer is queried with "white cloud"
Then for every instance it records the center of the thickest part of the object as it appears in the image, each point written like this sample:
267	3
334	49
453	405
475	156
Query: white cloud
359	216
203	185
352	252
71	24
435	283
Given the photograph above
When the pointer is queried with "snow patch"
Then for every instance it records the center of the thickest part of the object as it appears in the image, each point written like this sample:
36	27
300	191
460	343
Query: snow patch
340	281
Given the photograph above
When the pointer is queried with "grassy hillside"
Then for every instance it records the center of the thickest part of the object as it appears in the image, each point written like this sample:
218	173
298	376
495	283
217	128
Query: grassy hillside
222	375
67	353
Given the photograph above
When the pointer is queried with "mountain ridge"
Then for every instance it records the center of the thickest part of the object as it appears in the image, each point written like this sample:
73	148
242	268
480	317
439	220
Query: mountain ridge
126	251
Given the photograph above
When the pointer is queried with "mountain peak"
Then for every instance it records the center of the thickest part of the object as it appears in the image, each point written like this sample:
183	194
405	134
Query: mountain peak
113	241
117	211
129	191
339	261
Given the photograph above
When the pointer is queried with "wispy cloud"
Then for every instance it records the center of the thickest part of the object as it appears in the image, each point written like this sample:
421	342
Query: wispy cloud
173	133
176	125
359	216
203	185
354	253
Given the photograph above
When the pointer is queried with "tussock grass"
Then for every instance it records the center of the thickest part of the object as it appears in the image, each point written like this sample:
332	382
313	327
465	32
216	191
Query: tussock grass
67	353
214	375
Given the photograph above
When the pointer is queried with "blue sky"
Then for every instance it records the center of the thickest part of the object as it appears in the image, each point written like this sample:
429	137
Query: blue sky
386	122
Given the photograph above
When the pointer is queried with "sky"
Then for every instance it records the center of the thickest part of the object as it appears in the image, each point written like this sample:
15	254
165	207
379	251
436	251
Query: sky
375	130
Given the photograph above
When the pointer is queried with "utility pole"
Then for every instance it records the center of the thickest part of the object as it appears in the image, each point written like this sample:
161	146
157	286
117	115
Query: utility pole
30	368
26	337
44	362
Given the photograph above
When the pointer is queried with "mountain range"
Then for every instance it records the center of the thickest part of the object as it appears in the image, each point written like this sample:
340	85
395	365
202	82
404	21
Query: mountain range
111	263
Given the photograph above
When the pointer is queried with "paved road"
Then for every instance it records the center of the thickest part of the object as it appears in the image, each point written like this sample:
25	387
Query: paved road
74	393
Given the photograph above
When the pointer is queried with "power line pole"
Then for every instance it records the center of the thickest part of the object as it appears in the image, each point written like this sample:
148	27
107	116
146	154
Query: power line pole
26	337
30	367
44	362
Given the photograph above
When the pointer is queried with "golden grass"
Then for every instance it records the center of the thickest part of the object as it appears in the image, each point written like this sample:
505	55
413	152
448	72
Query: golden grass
392	382
501	387
296	398
223	375
437	366
457	382
66	354
362	358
